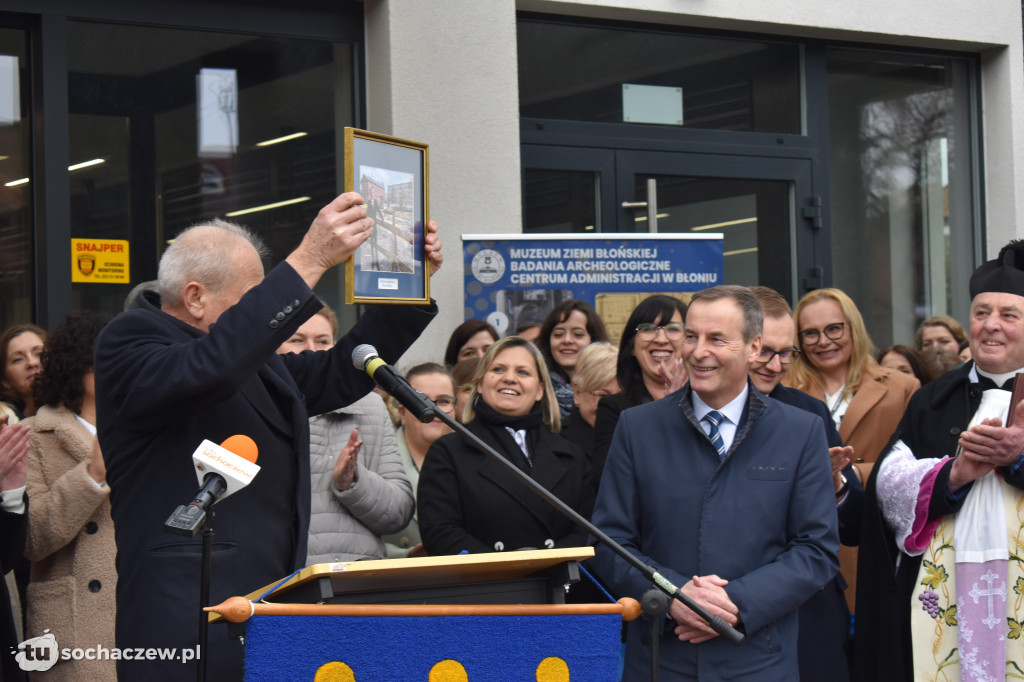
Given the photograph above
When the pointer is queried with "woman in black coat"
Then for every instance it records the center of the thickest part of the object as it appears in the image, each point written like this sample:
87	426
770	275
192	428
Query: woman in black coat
469	502
649	367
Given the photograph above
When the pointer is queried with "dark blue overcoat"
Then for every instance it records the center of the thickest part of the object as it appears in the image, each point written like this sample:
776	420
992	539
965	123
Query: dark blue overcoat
763	518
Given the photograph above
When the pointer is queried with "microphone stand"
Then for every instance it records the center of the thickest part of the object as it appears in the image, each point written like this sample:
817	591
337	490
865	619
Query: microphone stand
185	521
655	605
716	623
204	594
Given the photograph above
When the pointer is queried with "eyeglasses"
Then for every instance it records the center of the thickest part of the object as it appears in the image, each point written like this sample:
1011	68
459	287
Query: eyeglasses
446	403
834	332
786	357
647	330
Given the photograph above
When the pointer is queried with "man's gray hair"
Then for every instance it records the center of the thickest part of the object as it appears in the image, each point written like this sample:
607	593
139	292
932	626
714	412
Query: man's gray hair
205	261
753	315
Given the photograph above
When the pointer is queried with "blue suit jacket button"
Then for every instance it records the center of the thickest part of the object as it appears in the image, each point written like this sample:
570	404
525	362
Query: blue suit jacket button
279	316
288	308
274	324
296	303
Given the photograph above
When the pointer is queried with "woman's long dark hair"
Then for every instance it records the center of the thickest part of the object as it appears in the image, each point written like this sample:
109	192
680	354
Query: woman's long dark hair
559	314
913	357
658	308
67	356
463	333
7	394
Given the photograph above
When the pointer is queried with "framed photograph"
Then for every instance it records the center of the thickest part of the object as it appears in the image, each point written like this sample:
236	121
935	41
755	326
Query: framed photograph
391	176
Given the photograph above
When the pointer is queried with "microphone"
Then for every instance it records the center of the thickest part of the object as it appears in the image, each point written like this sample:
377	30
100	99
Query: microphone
365	359
222	470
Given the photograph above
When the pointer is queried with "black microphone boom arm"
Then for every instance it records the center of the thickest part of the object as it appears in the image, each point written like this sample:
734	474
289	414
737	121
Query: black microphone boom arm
716	623
365	358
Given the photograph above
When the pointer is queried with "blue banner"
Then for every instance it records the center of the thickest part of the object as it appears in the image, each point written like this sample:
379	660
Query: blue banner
513	281
420	649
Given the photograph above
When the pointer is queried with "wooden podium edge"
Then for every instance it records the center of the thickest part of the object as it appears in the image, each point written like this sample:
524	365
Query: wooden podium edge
240	609
462	568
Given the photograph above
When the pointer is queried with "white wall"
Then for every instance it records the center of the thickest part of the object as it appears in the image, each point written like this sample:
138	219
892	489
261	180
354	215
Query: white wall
444	72
920	23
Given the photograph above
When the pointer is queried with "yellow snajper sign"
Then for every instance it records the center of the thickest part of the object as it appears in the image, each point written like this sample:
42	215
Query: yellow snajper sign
99	261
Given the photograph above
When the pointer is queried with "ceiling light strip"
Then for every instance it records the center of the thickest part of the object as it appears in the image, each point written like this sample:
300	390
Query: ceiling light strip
727	223
267	207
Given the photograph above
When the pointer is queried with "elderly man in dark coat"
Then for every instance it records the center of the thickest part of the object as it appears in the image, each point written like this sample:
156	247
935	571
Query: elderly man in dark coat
198	362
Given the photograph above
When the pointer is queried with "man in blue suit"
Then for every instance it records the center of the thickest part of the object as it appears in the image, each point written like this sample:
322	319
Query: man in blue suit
198	362
729	494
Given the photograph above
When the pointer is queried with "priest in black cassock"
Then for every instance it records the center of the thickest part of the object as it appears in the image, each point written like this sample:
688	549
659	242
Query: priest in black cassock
940	585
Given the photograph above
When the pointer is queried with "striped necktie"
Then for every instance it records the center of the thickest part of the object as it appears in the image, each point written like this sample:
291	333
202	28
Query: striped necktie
714	418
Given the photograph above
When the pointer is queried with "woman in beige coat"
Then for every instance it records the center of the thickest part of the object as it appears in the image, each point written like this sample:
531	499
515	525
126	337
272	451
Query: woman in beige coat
836	366
70	533
867	401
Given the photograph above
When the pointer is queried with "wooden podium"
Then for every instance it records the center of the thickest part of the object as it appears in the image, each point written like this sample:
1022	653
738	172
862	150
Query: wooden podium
497	616
532	577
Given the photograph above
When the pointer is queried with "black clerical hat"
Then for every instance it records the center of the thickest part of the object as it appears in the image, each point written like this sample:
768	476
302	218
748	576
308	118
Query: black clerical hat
1004	274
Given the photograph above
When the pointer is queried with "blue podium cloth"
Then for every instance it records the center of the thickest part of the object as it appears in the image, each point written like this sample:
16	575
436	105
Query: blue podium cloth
391	648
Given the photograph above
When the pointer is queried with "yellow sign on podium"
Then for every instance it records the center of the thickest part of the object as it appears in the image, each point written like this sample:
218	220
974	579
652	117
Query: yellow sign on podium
100	261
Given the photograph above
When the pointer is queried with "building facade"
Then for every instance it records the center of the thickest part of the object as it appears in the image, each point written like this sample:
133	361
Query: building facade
869	146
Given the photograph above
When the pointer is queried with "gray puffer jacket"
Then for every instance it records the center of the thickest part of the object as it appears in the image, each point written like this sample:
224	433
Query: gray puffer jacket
347	525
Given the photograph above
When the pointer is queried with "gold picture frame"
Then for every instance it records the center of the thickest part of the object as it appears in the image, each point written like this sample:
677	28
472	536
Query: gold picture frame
391	175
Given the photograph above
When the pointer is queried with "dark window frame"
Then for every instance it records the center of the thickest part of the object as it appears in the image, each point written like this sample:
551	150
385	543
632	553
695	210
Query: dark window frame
47	22
813	264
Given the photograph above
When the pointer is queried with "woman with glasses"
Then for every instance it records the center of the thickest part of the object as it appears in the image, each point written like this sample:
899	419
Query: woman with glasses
569	328
835	365
414	439
359	489
462	374
649	367
469	502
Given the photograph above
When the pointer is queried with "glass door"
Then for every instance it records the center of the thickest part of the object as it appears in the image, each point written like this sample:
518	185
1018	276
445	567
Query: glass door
568	190
16	245
750	201
763	206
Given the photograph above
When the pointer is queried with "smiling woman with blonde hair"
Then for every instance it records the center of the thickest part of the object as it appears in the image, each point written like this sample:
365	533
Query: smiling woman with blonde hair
548	403
836	365
469	502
